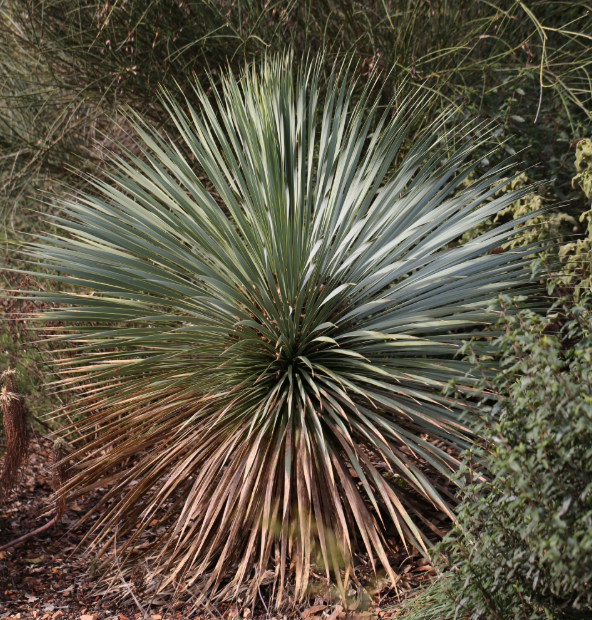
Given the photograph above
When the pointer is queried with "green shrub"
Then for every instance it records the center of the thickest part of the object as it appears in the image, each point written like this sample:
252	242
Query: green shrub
523	544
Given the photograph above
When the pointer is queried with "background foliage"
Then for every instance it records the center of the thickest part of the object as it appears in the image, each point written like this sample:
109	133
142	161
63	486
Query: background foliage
69	67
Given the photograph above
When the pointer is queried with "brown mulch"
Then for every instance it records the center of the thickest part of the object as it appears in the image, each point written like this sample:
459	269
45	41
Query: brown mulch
51	577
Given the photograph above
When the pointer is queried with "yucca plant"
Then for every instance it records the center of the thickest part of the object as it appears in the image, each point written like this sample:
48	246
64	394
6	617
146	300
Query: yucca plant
258	361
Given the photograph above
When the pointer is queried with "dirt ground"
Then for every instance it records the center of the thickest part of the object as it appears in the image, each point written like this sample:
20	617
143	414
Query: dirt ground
51	576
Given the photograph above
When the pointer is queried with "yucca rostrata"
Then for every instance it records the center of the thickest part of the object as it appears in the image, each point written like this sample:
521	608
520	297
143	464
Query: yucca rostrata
14	422
264	329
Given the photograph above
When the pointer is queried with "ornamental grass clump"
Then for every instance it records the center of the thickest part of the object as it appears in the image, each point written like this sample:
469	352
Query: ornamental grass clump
258	358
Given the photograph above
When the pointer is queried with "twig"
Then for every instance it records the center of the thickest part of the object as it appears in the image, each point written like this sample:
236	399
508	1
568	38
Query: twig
536	118
259	590
36	532
58	480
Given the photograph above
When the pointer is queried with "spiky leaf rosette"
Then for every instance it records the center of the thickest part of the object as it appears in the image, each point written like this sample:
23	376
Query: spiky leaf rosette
263	353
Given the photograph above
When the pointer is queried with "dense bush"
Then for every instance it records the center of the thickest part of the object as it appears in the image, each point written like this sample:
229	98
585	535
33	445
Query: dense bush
523	544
